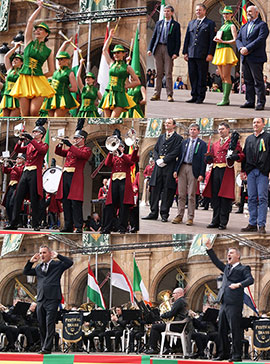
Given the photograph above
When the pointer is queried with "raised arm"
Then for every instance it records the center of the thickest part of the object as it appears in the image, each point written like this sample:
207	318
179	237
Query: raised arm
105	50
28	34
79	79
8	55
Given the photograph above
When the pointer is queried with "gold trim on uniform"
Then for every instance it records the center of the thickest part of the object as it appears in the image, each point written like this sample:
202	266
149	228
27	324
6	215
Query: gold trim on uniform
118	175
219	165
12	182
69	169
30	168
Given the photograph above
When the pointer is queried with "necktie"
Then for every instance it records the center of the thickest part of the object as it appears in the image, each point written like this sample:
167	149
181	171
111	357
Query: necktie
229	268
166	30
190	153
45	267
198	23
250	27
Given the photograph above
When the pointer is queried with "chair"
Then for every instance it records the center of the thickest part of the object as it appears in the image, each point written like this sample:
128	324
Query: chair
175	335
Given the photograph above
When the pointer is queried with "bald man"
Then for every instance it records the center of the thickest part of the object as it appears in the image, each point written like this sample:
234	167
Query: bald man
178	312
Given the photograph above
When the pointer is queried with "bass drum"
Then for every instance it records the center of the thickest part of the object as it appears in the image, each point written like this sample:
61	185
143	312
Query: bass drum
51	179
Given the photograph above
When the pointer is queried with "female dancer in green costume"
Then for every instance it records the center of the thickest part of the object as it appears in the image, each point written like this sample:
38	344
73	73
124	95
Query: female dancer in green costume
63	82
9	105
115	99
32	85
89	94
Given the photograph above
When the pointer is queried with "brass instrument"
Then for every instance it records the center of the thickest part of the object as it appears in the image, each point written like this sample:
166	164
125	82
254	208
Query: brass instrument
112	143
131	138
54	138
166	304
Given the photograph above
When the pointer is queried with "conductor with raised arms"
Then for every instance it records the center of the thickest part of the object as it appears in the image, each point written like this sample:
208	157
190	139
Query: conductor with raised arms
49	295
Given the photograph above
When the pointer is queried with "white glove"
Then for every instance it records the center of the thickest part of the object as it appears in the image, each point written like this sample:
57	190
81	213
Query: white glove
160	163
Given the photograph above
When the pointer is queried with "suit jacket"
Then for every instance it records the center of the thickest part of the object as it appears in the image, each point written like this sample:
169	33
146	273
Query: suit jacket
170	149
173	40
48	284
178	310
255	42
198	164
239	274
200	44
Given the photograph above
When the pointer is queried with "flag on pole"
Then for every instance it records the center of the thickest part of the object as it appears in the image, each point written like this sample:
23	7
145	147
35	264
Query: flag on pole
120	280
75	67
133	167
161	11
93	291
138	284
244	12
135	61
249	301
103	71
47	141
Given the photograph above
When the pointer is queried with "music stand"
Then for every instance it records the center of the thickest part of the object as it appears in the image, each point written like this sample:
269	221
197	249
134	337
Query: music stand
100	315
131	315
211	315
21	308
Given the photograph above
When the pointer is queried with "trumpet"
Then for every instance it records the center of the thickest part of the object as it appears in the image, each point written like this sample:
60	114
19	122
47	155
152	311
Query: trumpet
131	138
112	143
19	133
55	138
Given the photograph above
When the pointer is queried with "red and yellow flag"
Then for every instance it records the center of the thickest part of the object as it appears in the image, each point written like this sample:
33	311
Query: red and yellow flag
244	12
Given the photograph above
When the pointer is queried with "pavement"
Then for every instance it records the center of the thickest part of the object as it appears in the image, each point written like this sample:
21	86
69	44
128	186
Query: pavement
201	220
180	109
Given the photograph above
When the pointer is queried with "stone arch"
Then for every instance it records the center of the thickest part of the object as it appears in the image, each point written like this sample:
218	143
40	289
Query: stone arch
194	295
144	157
7	286
264	303
161	272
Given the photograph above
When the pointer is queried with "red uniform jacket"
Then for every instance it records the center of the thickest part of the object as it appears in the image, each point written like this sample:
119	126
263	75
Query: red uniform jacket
148	170
228	182
55	205
75	157
136	184
15	175
35	153
102	193
122	164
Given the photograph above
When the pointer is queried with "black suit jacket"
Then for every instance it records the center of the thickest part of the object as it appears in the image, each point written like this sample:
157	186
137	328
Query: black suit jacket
48	284
173	41
198	165
170	149
178	310
239	274
255	41
202	44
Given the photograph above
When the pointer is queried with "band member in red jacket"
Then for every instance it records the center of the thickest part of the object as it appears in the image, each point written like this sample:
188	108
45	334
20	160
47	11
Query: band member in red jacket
120	194
70	189
31	179
15	173
102	193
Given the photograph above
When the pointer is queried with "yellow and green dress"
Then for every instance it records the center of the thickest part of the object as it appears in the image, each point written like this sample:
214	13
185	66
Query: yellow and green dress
31	82
136	111
224	53
88	98
63	98
9	102
115	94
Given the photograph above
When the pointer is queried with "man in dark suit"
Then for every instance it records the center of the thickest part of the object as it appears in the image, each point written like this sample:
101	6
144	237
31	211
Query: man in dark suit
198	50
49	294
189	169
251	43
231	296
166	151
165	46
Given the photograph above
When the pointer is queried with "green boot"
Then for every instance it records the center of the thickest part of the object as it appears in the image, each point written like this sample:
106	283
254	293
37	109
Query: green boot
226	93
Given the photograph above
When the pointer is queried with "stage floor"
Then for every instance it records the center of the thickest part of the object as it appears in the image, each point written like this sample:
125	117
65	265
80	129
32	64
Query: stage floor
25	358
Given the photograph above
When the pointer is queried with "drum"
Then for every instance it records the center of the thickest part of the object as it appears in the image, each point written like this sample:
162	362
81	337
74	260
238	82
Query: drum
51	179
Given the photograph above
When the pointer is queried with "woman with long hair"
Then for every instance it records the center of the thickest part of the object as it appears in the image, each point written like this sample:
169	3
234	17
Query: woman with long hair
115	99
89	94
13	62
225	57
63	83
32	85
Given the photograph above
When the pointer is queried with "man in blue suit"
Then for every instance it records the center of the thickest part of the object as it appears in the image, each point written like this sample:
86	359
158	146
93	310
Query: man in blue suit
198	50
189	169
49	294
165	46
251	42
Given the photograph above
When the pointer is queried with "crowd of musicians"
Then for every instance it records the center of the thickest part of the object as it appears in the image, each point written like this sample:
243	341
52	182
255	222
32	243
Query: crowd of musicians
178	166
27	91
119	194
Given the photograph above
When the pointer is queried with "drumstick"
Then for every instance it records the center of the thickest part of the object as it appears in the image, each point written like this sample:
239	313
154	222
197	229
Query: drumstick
116	25
73	45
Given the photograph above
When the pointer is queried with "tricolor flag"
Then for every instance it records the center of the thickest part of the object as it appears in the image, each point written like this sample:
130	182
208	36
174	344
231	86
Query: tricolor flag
120	280
75	67
135	61
103	71
93	291
161	11
47	141
138	284
249	301
244	12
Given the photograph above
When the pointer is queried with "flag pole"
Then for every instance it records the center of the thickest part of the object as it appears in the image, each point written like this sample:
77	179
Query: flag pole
96	273
111	284
88	65
89	260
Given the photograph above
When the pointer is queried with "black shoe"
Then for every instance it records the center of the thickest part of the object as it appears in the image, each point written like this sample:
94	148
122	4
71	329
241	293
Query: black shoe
66	230
78	231
212	226
164	219
220	358
262	230
149	217
45	351
259	107
191	101
167	351
247	106
222	227
235	359
36	228
199	101
249	229
10	227
151	352
239	211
